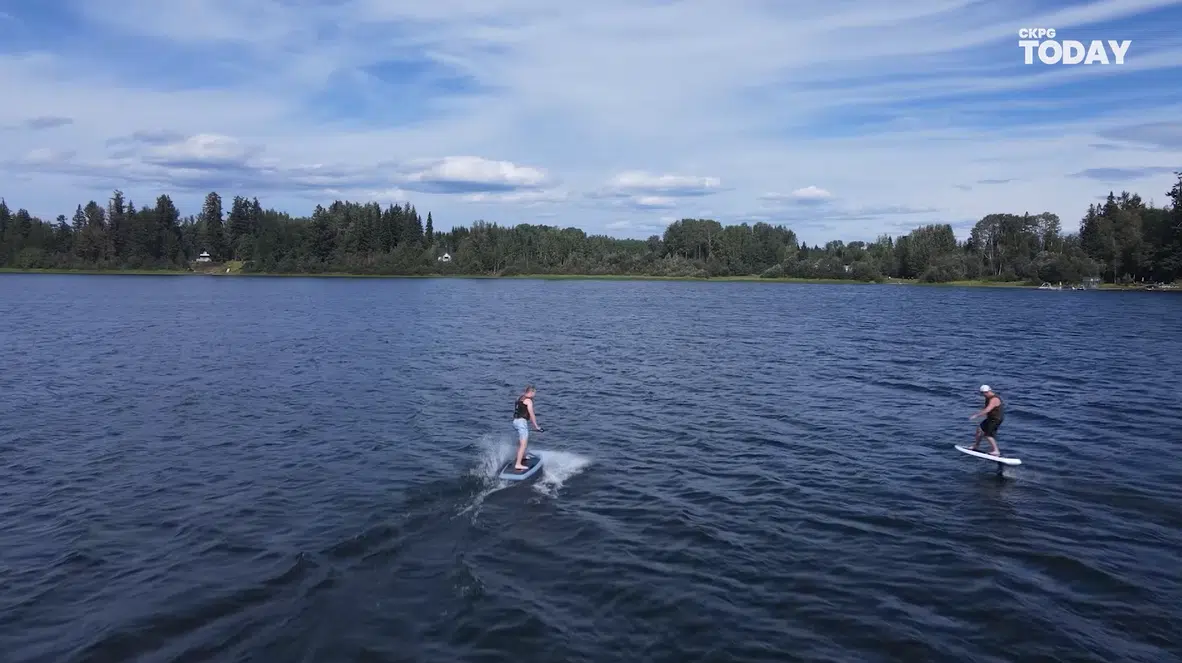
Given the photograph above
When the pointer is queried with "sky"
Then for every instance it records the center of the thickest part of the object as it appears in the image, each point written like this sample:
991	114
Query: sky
843	119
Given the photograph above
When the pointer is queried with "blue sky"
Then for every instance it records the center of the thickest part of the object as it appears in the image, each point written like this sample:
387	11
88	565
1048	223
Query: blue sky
843	119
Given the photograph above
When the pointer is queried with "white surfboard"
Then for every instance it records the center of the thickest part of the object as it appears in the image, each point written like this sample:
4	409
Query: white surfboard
996	459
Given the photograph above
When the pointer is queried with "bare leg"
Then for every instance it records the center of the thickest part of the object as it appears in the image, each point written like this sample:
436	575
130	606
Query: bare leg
993	443
521	454
976	439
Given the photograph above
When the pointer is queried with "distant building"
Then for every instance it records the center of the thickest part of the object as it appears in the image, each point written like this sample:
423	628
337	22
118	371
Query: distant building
204	257
444	258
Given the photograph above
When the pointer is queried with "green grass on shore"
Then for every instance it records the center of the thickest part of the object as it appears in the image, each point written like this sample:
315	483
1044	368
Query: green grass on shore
235	269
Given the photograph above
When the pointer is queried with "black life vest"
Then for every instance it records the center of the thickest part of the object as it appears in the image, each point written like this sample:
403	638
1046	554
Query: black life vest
997	413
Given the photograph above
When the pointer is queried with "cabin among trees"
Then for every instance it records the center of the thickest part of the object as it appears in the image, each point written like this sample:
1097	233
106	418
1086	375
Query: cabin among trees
1122	240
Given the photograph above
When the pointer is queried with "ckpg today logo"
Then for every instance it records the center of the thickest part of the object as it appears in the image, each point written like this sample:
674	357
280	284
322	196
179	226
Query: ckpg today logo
1070	51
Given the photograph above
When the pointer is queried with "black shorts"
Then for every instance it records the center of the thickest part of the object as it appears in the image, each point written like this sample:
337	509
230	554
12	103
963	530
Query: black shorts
989	426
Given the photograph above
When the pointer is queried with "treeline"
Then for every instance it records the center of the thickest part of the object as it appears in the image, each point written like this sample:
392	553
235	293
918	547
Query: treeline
1121	240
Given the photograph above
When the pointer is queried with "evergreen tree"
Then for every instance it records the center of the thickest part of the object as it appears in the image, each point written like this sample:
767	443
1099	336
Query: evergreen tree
238	226
1122	239
119	223
213	232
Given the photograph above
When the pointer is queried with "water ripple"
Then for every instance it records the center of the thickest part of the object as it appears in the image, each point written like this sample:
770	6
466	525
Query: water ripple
303	470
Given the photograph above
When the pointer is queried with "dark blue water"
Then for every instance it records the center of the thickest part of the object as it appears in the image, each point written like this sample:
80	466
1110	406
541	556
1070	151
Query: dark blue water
288	470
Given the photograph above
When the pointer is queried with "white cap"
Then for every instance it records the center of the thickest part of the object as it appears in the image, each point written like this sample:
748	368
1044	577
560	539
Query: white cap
985	388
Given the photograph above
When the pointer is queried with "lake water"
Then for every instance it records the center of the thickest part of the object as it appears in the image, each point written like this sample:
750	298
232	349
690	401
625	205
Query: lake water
289	470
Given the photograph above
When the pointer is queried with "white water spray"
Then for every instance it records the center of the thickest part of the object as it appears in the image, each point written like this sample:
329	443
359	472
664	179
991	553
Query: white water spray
496	450
492	455
557	467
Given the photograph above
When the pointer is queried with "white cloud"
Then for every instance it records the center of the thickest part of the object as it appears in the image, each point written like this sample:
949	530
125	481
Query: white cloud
654	202
809	195
526	197
201	150
682	185
202	162
466	173
641	190
598	111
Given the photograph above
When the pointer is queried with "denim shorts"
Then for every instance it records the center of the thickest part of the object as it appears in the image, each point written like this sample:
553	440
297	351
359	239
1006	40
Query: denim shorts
522	427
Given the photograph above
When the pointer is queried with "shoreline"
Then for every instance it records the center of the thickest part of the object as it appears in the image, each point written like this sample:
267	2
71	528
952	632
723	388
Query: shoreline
977	283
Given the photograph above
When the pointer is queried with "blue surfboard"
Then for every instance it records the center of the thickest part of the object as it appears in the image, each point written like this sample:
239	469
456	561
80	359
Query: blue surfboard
532	465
